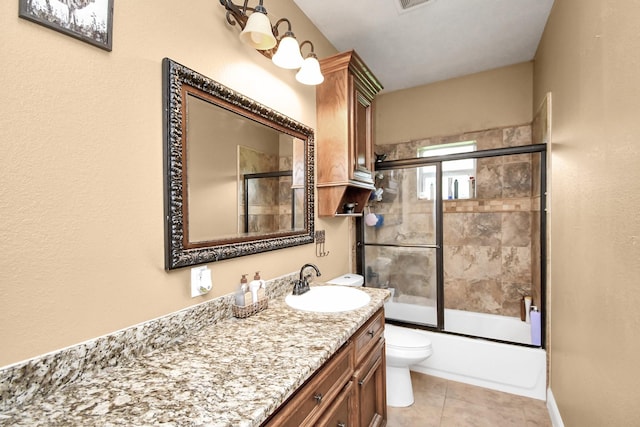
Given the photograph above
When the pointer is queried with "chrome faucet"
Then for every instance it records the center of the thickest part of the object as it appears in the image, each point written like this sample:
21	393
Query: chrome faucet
302	285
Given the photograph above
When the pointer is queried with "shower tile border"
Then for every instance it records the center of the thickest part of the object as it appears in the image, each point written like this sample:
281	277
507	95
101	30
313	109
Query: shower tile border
520	204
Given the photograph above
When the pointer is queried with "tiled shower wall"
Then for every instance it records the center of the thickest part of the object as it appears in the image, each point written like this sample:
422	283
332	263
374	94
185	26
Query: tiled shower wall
491	242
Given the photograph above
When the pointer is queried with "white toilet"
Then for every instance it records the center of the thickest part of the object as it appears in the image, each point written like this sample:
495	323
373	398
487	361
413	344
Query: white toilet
347	280
404	347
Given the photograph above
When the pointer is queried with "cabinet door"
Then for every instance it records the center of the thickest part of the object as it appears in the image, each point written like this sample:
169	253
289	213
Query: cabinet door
363	143
371	388
342	412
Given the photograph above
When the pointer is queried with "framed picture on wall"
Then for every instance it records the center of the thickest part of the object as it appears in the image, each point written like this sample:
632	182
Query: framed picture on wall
88	20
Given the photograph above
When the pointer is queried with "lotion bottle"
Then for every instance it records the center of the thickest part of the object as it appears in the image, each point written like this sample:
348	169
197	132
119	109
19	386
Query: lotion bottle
472	187
263	286
536	324
255	286
242	292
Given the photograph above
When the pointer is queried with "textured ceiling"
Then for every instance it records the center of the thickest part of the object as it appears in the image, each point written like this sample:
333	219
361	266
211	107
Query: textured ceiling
434	41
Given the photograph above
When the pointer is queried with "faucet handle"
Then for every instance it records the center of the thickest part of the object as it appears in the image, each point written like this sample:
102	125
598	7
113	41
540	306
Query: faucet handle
300	287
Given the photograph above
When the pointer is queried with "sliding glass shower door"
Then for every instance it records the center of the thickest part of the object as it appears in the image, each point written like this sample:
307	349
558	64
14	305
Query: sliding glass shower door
402	243
459	240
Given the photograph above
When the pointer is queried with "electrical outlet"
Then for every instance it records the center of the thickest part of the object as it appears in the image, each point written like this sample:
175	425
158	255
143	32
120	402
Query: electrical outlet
200	281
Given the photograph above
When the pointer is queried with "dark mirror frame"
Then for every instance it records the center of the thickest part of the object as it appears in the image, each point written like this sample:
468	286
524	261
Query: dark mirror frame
177	80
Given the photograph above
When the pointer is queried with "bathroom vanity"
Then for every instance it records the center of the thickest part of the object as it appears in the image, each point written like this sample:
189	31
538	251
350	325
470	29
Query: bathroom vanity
281	366
349	390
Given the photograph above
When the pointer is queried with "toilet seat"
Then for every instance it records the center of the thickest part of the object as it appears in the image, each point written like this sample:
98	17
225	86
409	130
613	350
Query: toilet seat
405	339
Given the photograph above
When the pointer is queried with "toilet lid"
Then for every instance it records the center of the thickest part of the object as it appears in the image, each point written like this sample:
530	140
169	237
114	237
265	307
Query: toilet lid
405	338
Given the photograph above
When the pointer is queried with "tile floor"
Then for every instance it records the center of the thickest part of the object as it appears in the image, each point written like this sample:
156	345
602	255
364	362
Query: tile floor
443	403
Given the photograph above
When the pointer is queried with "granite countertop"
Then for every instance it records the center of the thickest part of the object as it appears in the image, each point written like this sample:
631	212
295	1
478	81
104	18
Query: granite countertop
232	373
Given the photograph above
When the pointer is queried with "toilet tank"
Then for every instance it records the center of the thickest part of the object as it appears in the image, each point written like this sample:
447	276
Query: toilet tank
347	280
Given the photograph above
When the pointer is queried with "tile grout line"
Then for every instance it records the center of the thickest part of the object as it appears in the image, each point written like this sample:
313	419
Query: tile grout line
444	402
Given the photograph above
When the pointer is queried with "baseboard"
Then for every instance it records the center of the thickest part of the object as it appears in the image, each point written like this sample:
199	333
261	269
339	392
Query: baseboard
554	412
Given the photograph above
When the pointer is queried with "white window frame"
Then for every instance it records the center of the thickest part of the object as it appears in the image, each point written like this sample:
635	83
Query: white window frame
461	170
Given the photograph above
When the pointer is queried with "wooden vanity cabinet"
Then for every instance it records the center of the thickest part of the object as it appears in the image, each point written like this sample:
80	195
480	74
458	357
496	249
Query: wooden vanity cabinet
370	381
348	391
342	412
314	398
344	134
370	373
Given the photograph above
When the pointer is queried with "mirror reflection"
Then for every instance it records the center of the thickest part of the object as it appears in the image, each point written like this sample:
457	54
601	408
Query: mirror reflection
243	177
239	176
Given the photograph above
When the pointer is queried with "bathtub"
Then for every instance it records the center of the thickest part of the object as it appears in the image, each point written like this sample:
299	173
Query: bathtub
504	367
484	325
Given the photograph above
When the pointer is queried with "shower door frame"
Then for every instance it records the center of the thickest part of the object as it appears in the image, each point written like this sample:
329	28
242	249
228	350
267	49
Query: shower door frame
439	244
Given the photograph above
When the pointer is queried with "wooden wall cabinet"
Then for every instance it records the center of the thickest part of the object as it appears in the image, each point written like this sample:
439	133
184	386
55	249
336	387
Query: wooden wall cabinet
344	134
349	390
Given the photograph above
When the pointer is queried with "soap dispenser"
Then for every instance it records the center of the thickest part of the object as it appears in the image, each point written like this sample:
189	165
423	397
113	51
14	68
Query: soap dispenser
243	292
256	287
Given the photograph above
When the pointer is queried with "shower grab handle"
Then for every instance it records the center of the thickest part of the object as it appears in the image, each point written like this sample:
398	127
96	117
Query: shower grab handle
401	245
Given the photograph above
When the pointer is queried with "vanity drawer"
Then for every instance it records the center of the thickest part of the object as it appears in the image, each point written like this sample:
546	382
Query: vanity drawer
342	412
312	399
368	335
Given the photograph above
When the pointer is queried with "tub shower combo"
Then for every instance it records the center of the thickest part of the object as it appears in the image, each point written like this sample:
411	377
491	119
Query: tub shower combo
455	231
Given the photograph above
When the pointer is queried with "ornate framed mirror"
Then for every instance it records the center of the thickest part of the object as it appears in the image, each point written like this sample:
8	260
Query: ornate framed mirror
238	175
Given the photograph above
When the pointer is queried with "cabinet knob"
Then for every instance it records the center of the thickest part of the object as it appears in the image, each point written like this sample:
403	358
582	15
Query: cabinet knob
318	397
342	425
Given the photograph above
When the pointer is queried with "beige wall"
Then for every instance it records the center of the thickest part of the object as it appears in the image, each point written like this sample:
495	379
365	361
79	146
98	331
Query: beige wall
81	199
589	60
491	99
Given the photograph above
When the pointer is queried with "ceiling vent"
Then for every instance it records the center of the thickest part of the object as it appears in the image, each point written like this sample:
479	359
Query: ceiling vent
404	6
408	4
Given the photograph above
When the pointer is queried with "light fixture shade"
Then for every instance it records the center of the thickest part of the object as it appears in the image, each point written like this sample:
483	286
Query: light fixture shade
288	54
310	73
258	33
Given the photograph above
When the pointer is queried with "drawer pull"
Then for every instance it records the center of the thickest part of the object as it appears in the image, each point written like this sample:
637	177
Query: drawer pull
371	333
318	397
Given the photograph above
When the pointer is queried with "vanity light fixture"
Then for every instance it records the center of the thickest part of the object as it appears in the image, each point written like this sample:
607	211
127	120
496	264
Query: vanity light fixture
288	54
310	73
284	51
257	32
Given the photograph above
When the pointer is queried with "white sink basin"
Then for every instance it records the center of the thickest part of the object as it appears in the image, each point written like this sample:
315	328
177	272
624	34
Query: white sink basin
329	299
